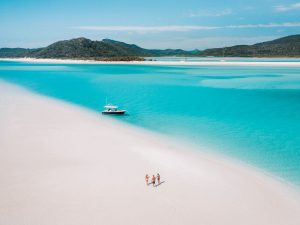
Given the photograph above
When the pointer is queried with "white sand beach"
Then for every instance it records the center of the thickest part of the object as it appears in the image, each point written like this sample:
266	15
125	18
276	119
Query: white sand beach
167	63
61	164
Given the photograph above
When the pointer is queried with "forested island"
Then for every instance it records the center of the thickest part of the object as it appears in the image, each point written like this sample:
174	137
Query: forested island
111	50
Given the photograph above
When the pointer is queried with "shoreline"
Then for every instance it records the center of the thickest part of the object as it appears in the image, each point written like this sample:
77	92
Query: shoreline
54	171
166	63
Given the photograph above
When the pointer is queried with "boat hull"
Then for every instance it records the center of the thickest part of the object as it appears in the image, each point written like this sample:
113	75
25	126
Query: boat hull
120	112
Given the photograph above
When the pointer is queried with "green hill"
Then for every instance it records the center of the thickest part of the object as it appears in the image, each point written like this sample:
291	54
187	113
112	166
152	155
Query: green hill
283	47
85	48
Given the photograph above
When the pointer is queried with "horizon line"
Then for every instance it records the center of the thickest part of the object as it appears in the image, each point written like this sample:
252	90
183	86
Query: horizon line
183	28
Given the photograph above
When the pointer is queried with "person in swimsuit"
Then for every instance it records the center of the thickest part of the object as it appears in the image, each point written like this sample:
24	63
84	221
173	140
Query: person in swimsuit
158	178
147	179
153	180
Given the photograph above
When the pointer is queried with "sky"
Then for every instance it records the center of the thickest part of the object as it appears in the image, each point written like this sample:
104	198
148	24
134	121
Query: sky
161	24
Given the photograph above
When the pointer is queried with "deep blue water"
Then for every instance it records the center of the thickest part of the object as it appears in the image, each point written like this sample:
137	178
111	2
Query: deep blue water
248	113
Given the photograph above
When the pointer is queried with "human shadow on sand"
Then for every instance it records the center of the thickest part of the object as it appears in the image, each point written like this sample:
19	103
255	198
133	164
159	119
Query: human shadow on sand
159	184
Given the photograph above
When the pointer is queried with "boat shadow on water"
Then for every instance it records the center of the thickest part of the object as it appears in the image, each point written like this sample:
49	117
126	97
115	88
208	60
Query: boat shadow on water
116	115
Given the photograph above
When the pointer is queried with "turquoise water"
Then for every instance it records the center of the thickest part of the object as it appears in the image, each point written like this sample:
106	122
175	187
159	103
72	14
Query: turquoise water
248	113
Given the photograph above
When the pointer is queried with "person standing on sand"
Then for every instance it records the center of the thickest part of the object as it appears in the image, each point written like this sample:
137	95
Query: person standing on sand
153	180
158	178
147	179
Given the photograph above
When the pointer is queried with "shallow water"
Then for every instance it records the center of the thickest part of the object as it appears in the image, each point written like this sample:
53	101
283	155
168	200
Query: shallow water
248	113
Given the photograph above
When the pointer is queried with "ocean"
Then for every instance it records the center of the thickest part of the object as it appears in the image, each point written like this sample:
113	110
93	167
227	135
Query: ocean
251	114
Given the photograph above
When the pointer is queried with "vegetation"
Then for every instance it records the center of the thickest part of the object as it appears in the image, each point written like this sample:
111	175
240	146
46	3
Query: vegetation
16	52
110	50
283	47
